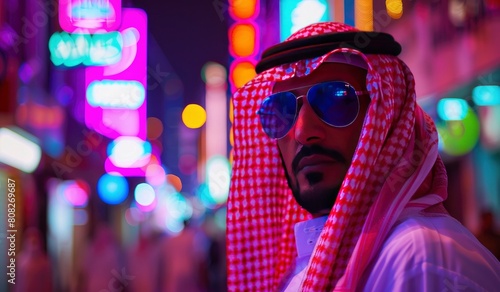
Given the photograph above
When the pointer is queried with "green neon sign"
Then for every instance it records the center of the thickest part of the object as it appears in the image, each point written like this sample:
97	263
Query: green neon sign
90	50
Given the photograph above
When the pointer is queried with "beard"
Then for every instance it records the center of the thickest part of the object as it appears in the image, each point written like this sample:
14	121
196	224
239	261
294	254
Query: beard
316	199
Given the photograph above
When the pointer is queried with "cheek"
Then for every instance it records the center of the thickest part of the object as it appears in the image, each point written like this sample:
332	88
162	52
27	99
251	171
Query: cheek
354	140
287	148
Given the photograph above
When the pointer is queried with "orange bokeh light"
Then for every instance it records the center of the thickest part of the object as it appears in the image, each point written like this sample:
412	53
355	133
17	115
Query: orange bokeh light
242	73
175	181
243	9
155	128
231	110
242	40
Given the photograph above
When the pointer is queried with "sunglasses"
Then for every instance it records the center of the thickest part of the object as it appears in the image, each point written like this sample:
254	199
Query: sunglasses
336	103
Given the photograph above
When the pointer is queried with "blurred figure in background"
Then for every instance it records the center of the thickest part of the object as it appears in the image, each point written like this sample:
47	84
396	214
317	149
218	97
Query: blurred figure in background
216	254
144	262
488	235
35	269
102	266
183	264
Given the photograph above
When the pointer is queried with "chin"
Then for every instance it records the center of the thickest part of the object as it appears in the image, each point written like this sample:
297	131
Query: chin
317	200
315	194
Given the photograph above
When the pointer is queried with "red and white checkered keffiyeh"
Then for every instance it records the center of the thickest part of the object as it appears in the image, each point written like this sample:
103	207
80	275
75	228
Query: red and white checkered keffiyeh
396	169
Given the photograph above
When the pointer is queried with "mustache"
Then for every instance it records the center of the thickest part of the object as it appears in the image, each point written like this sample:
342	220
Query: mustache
317	150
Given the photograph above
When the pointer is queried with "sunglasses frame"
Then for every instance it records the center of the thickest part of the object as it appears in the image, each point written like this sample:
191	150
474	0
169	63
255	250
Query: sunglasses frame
297	108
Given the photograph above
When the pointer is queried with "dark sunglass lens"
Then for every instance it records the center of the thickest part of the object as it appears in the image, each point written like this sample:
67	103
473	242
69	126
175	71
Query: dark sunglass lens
277	114
335	103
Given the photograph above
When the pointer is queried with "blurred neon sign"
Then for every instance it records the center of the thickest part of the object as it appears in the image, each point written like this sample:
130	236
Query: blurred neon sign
486	95
116	94
452	109
115	104
296	14
19	149
128	152
129	119
218	178
90	50
92	15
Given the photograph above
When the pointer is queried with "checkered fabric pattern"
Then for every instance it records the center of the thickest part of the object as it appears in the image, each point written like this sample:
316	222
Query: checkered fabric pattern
396	169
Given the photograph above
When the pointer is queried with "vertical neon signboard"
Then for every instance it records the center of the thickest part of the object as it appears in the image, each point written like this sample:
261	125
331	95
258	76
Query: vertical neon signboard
115	104
115	101
90	15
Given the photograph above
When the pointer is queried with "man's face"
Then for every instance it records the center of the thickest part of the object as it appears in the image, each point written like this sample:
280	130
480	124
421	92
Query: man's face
316	156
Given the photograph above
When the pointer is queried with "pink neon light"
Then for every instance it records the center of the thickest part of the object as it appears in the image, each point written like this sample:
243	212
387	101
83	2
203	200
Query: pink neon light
148	208
90	15
155	175
132	171
75	192
113	123
120	122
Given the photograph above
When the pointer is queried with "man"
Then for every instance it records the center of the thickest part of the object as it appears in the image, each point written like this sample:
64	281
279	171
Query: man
329	135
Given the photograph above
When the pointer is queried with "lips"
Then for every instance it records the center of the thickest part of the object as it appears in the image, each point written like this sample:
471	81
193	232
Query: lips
314	160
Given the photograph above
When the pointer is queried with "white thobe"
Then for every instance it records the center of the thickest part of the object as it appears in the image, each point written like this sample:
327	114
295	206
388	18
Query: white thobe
421	253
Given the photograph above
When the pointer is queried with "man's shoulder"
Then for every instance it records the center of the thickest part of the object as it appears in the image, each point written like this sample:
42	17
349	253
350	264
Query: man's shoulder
430	253
423	229
439	245
430	236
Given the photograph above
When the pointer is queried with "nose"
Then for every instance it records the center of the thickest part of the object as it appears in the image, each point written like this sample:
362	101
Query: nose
309	128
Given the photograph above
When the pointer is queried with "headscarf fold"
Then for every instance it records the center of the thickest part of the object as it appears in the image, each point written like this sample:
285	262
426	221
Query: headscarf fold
395	171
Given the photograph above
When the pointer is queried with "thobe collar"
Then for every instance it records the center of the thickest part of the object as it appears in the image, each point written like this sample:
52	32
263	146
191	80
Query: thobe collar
307	234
